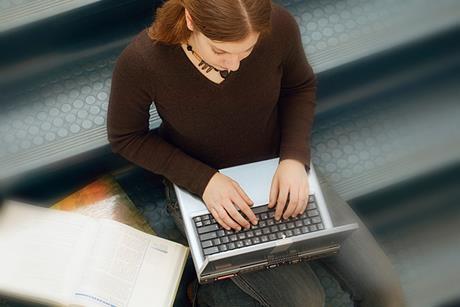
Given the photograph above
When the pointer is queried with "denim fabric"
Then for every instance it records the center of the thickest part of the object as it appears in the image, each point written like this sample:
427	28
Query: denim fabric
361	268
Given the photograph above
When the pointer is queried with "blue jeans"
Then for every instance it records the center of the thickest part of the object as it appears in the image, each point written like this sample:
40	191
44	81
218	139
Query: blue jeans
361	268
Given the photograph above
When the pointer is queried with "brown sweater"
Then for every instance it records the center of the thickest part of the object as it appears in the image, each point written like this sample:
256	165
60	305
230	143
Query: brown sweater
263	110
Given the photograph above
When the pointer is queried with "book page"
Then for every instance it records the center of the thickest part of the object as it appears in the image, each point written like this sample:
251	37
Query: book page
42	251
160	273
116	270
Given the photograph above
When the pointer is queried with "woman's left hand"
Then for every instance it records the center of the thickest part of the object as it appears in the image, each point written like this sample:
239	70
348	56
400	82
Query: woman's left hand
289	184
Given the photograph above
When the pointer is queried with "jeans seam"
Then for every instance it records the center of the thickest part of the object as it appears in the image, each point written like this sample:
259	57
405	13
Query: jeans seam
259	297
318	282
195	293
343	282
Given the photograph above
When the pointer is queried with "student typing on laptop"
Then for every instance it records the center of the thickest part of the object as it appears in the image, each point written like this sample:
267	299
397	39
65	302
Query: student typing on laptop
232	85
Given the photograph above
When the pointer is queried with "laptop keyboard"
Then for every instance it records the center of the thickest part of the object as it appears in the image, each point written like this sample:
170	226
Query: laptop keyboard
214	238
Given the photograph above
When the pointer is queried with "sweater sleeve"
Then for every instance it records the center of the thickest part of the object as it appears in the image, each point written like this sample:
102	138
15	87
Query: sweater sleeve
297	99
131	96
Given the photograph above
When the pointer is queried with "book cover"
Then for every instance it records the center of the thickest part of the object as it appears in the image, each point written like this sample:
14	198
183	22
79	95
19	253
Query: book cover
105	198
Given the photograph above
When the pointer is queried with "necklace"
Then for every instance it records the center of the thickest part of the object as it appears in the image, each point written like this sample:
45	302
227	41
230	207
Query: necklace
205	66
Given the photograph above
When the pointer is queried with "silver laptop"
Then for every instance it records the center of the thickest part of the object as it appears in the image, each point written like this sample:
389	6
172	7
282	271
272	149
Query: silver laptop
219	253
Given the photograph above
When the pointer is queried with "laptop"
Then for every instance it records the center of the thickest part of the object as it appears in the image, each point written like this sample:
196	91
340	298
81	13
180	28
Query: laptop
218	253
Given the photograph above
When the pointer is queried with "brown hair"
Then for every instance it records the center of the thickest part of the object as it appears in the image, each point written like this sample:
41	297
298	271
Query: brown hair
221	20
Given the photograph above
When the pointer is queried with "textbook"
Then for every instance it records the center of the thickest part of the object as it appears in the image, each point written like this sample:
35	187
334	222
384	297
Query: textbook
63	258
104	198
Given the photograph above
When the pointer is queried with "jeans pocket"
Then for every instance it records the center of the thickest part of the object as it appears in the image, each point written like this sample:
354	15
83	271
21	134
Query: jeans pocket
172	207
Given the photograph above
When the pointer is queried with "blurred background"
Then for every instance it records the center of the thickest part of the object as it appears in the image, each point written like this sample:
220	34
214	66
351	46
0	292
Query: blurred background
386	132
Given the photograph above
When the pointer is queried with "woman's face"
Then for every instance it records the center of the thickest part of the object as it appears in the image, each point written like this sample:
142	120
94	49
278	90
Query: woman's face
221	55
224	55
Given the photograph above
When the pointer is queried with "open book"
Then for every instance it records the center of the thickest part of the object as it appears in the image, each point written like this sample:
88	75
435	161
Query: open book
63	258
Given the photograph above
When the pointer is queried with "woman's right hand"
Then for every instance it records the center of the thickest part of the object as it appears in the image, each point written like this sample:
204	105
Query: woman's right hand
223	196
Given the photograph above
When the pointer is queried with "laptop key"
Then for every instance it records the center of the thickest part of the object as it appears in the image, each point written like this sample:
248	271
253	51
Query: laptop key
258	232
316	220
256	240
311	206
224	240
216	241
264	216
210	250
274	228
239	244
304	229
282	227
231	245
313	228
272	237
320	226
290	225
207	236
313	212
289	233
199	224
280	235
306	222
265	231
222	248
298	223
262	223
297	231
208	228
270	222
233	238
247	242
241	236
264	238
259	209
206	244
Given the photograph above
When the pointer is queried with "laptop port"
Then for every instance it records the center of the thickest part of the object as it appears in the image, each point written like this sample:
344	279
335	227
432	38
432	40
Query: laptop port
225	277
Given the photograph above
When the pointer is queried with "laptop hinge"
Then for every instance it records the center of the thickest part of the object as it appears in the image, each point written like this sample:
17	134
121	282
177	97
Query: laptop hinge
233	272
320	253
297	257
273	261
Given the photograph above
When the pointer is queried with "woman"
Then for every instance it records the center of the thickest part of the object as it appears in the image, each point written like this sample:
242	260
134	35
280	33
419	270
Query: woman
231	84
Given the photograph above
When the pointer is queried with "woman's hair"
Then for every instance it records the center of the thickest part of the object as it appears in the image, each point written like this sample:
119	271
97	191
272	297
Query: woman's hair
220	20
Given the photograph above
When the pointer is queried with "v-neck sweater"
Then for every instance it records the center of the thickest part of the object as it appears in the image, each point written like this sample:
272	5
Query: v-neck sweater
263	110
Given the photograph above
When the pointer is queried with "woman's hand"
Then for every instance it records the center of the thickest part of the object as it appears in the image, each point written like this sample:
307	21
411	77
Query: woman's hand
221	195
290	183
